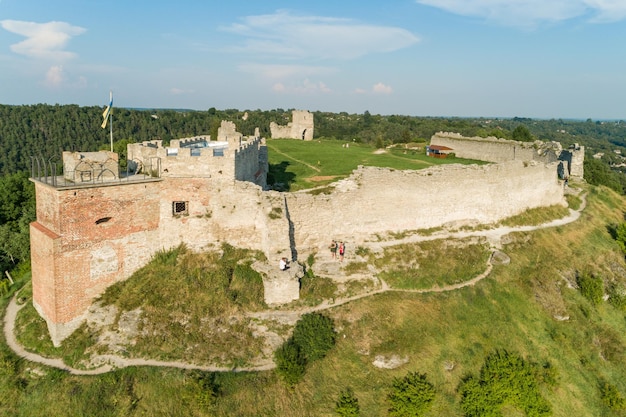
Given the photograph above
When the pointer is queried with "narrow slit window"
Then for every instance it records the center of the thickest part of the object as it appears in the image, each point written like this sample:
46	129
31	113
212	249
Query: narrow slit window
179	208
103	220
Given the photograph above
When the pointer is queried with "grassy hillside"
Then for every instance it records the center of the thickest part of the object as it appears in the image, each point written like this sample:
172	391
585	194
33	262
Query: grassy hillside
196	307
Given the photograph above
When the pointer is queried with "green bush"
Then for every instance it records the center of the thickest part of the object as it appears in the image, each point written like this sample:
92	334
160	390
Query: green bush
620	236
315	335
347	405
411	396
611	396
617	296
290	362
591	287
505	378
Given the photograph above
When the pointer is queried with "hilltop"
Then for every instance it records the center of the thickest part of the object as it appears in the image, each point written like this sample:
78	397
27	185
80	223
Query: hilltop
534	307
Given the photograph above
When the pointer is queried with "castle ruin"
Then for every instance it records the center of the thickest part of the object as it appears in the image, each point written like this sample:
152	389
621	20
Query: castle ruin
95	230
301	127
497	150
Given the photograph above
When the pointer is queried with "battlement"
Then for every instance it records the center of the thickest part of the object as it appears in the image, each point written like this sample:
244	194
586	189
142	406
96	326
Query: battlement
234	157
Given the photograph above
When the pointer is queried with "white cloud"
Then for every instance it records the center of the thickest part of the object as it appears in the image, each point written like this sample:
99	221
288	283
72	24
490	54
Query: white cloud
178	91
381	88
275	71
607	10
530	13
306	86
43	40
279	88
54	76
288	36
359	91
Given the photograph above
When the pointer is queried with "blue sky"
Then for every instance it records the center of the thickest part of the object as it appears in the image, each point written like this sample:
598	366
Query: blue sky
491	58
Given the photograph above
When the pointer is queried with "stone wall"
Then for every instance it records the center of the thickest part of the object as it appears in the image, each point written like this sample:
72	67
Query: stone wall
235	159
85	239
301	127
378	200
494	149
82	167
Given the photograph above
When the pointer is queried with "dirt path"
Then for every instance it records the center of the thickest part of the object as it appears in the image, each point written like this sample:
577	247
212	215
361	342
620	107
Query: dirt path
494	237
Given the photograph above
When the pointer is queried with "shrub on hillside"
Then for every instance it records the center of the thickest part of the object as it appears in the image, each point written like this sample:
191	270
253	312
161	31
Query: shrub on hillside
411	396
315	335
347	405
290	362
620	236
617	296
591	287
611	396
505	378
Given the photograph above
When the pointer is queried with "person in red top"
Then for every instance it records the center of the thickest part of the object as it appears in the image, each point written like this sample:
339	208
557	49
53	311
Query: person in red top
342	250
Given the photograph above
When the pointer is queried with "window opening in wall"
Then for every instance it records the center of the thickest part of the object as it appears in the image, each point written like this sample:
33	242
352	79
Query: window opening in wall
179	208
218	152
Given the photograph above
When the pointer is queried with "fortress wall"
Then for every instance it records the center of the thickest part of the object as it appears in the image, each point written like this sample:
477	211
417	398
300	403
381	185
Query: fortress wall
278	131
43	245
486	149
96	214
230	212
100	236
378	200
247	161
178	143
205	165
301	126
47	205
181	162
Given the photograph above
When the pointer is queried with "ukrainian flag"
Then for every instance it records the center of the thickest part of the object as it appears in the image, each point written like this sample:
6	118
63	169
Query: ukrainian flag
107	112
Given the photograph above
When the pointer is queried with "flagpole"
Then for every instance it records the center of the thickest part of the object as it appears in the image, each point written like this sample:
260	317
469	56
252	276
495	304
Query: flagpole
111	119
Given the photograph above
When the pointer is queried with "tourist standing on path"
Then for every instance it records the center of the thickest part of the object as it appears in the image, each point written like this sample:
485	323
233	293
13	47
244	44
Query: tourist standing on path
333	250
342	250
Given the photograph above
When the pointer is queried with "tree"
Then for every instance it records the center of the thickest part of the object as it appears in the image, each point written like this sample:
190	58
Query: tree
411	396
347	405
315	335
620	236
522	134
290	362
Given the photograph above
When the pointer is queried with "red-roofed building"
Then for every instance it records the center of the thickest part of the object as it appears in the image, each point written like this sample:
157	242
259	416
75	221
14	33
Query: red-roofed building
438	151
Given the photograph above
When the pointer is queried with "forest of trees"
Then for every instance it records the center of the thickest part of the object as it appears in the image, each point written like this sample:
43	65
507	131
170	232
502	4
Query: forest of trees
46	130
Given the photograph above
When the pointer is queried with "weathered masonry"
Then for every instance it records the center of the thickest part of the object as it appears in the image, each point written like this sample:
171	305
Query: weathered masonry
494	149
301	127
96	226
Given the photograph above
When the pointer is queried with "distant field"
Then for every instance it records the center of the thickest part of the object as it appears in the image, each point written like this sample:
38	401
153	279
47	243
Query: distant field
296	164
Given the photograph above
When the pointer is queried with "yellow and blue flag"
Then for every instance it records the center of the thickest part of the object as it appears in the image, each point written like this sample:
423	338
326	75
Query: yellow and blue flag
107	112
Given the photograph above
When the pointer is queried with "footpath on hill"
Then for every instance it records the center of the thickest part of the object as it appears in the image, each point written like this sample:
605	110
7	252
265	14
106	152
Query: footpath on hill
493	236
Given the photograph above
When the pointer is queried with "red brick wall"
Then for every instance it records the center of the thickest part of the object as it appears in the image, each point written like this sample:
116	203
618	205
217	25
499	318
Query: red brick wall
42	253
65	254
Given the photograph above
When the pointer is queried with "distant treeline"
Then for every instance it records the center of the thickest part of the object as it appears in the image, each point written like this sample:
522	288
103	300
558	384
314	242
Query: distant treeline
46	130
